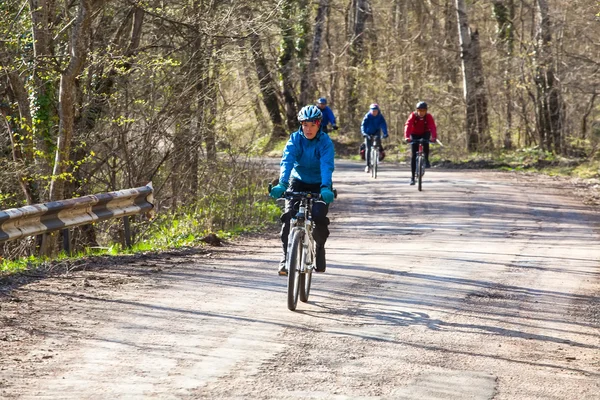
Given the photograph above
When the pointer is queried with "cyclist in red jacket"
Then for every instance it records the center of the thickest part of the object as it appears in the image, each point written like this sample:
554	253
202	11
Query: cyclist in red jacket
420	125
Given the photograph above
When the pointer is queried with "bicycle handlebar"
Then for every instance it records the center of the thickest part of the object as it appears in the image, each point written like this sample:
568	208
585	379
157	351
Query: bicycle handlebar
423	141
296	195
288	194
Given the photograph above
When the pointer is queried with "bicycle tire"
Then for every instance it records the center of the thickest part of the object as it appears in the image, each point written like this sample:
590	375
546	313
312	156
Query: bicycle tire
376	163
420	172
294	264
305	281
372	160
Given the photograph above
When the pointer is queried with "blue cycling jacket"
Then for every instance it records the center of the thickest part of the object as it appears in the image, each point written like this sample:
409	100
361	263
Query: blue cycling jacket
328	117
310	161
371	125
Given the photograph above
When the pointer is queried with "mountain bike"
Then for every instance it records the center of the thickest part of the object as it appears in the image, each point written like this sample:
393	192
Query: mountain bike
301	256
374	156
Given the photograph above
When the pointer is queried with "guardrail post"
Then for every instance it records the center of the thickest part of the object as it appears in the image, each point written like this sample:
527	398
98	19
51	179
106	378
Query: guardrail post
127	232
66	241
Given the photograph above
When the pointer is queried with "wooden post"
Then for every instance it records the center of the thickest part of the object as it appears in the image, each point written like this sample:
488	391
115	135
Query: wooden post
127	232
66	241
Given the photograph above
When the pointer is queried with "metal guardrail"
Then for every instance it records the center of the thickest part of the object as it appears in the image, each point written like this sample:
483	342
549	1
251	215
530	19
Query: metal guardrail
16	223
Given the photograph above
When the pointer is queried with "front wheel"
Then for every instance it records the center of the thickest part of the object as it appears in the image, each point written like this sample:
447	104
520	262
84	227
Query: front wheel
373	161
294	264
376	163
420	172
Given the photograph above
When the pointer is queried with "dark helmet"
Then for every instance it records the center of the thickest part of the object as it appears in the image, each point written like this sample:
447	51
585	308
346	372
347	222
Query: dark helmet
322	100
374	106
421	105
310	113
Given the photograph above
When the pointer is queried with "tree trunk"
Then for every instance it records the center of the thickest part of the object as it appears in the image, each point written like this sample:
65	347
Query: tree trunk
473	83
78	50
286	63
23	149
586	115
504	12
359	18
450	67
548	101
267	88
307	84
210	136
42	15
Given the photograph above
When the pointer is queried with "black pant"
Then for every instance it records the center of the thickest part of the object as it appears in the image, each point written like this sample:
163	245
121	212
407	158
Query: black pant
415	149
368	144
319	214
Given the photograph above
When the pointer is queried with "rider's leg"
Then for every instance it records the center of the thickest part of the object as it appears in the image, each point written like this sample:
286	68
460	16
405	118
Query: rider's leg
414	149
320	233
368	144
285	232
426	136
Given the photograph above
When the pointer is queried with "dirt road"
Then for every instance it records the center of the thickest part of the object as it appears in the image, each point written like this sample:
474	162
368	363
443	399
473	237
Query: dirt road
483	286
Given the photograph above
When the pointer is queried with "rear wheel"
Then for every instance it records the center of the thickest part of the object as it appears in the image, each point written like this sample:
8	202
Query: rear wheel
294	263
420	171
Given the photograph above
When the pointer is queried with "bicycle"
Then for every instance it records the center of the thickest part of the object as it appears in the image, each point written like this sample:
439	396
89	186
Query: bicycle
301	251
374	156
420	168
300	261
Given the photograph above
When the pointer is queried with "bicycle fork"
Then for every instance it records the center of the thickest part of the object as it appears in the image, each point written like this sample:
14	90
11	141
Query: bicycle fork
422	159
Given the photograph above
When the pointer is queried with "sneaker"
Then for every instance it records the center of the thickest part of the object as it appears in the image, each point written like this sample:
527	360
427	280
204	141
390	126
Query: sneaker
367	170
427	164
320	264
412	181
282	268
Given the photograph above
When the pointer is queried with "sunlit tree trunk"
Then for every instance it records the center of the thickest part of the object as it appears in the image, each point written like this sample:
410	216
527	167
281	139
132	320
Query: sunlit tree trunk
78	50
43	100
286	62
504	12
549	101
473	83
359	17
268	88
308	82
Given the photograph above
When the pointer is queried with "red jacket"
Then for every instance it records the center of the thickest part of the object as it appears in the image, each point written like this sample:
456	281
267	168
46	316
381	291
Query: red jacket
416	126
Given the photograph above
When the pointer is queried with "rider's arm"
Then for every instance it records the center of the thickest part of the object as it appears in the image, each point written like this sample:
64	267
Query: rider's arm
364	125
432	127
408	126
327	155
384	127
290	153
330	115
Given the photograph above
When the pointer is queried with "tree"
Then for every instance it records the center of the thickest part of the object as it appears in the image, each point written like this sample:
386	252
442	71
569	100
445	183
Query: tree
504	12
78	49
359	13
473	83
268	88
548	100
308	82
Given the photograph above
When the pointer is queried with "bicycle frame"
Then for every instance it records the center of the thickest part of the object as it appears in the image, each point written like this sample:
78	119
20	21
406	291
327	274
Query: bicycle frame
420	162
303	221
374	155
374	146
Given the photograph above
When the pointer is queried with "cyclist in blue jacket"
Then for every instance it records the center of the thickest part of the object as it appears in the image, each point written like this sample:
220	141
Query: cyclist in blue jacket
328	117
307	165
372	125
